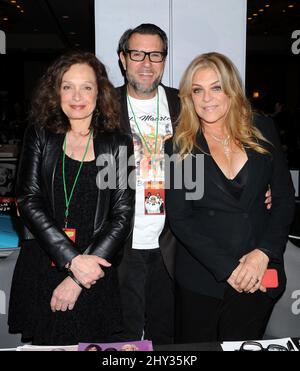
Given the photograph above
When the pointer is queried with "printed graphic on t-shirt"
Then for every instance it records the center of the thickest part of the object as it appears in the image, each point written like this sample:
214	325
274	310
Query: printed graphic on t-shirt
149	155
149	149
149	132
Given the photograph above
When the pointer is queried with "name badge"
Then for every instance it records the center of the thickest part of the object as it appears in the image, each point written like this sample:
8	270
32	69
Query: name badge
71	233
154	198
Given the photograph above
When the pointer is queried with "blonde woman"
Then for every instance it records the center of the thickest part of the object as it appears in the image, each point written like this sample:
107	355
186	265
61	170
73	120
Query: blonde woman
228	237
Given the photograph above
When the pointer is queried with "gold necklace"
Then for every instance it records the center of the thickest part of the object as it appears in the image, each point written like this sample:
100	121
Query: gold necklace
225	143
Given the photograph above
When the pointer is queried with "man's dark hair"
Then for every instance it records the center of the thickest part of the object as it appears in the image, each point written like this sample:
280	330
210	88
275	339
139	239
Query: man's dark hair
143	29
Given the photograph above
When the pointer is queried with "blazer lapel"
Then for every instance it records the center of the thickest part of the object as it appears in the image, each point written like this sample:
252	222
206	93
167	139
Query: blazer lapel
211	167
125	124
173	105
256	168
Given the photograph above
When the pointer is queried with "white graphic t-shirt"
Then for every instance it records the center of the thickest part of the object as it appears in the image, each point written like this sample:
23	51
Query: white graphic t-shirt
149	135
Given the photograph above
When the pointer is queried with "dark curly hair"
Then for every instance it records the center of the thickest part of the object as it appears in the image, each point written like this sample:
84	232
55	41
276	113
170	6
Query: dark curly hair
46	108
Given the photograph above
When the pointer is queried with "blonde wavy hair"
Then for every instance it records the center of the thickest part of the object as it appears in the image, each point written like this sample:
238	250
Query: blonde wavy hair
239	119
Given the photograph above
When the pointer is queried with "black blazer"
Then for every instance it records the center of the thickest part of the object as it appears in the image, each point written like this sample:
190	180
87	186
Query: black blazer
35	197
217	230
167	241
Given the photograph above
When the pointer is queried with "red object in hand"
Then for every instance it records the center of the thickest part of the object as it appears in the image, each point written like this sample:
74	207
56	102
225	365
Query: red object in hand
270	279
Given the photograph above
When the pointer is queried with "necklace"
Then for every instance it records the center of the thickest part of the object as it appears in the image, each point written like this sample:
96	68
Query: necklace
225	143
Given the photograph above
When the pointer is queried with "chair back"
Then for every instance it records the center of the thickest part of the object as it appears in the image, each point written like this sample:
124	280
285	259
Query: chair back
285	318
7	266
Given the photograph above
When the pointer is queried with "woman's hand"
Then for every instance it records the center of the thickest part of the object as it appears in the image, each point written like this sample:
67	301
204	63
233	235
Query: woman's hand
254	265
65	295
268	200
87	269
233	276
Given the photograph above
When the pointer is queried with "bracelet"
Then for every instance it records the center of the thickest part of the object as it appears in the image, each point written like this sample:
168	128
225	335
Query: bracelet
70	274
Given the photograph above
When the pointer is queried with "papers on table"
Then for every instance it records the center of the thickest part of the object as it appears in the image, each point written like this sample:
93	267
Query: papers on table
47	348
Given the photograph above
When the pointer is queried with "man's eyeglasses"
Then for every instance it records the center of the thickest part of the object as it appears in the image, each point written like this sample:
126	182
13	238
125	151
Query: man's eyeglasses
139	55
252	346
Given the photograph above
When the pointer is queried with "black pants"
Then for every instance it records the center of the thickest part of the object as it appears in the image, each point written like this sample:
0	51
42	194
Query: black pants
147	297
201	318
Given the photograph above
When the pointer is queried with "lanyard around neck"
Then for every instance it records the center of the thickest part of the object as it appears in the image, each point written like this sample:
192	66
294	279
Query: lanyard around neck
137	125
68	199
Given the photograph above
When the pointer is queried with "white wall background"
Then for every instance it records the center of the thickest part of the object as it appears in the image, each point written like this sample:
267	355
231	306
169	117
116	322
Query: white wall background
192	26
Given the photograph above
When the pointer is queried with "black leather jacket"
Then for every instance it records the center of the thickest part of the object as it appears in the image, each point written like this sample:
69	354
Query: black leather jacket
35	196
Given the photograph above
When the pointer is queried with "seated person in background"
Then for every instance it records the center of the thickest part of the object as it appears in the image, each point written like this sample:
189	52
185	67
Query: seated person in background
6	179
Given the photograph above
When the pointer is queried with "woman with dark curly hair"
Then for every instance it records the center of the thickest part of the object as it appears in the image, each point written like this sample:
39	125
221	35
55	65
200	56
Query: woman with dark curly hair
65	287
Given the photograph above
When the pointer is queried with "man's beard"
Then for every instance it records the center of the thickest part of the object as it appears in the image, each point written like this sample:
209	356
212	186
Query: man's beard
141	88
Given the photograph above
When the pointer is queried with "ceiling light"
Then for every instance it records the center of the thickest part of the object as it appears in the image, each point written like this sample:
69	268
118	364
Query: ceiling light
261	10
255	14
13	1
291	6
5	18
250	18
267	5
